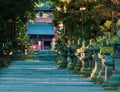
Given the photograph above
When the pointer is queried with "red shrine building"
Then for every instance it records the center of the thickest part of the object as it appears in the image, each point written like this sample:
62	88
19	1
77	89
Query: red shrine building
41	31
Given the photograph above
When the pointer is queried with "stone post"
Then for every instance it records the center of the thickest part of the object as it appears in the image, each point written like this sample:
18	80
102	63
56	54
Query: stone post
63	59
83	60
98	63
97	67
108	66
106	61
113	82
72	59
98	73
91	63
78	63
86	66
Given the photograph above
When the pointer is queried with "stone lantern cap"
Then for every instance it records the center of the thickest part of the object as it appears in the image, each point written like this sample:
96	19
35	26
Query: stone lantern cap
78	50
82	49
116	55
114	40
96	48
90	47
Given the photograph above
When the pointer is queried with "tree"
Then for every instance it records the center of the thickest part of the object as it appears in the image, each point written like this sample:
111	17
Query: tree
14	11
14	14
84	24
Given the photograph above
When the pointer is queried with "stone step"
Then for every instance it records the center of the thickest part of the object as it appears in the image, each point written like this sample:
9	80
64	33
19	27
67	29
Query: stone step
50	89
43	81
44	53
38	55
43	76
33	62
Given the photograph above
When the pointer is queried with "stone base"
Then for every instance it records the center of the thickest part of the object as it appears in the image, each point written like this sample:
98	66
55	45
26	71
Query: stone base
71	65
72	62
86	72
63	65
63	61
94	74
98	79
77	67
97	68
112	83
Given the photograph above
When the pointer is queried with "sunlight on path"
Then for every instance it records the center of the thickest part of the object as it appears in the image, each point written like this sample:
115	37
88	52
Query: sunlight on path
43	76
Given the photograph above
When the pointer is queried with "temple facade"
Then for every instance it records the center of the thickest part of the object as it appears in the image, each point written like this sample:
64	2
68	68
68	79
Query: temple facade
41	30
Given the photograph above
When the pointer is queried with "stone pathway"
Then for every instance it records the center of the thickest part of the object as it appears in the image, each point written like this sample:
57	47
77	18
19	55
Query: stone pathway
43	76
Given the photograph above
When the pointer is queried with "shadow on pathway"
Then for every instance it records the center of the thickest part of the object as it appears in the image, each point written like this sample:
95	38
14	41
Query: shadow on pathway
43	76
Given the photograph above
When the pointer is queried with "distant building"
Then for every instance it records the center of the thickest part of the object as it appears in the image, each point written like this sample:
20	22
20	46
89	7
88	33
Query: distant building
41	31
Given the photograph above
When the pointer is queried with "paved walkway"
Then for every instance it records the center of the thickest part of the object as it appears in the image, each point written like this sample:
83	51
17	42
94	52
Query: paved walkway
43	76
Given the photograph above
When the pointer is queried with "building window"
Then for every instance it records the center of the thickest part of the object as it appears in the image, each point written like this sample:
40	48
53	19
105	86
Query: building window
41	14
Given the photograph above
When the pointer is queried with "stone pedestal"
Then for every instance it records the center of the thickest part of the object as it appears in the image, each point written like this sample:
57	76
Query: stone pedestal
114	81
91	63
78	66
97	67
108	66
102	71
84	69
72	61
84	65
98	73
81	57
63	60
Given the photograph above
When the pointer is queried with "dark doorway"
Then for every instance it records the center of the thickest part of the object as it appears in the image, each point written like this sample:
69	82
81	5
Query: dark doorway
47	45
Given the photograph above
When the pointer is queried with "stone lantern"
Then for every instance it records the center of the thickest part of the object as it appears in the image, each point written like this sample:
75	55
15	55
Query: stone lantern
98	63
78	63
113	82
63	58
101	75
72	59
107	62
90	61
83	59
63	54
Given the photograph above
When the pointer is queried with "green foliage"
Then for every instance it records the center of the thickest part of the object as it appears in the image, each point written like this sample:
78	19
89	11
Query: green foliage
88	23
118	24
14	14
24	39
14	9
60	45
115	38
107	24
100	39
107	49
102	27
